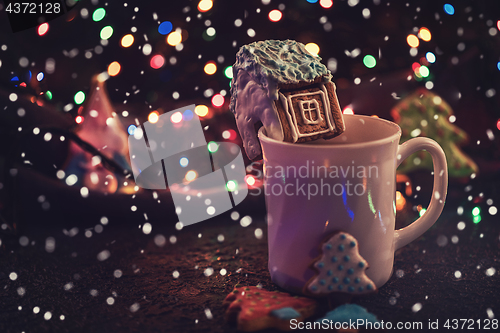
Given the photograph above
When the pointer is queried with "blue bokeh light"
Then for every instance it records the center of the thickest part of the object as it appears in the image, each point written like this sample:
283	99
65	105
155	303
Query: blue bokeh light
449	9
165	27
131	129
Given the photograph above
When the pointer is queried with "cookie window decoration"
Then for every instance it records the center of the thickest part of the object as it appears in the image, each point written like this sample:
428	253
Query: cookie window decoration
289	90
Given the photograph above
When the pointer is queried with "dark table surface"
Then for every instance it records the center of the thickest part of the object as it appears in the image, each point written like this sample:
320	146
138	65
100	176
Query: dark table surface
165	285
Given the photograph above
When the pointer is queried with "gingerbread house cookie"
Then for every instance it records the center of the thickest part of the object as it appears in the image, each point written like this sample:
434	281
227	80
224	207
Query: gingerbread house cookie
289	90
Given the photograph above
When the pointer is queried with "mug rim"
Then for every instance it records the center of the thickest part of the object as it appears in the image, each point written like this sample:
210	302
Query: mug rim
389	139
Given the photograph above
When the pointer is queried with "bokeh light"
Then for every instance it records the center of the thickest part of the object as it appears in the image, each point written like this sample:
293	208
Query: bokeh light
114	68
187	115
98	14
229	134
184	162
157	61
212	147
218	100
423	71
127	40
48	94
449	9
312	1
369	61
498	124
201	110
422	211
400	201
106	32
79	119
275	15
79	97
431	58
205	5
250	180
42	29
232	185
210	68
165	27
191	175
348	110
312	48
228	72
131	129
425	34
154	117
326	3
174	38
40	76
176	117
412	40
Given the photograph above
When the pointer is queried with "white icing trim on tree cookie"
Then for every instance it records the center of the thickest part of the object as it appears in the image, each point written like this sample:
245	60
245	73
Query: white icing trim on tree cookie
340	268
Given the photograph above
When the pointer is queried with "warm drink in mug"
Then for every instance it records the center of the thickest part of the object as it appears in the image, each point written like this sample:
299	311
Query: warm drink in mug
343	184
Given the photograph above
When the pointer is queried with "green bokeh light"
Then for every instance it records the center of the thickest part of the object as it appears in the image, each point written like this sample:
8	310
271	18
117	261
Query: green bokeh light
98	14
232	185
106	32
369	61
228	72
79	97
424	71
476	219
422	211
476	211
48	94
212	147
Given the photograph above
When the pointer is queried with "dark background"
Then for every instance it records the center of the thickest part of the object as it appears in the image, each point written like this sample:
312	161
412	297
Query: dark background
429	265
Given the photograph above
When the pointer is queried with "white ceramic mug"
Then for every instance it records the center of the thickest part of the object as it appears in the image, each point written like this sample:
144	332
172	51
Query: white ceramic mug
347	183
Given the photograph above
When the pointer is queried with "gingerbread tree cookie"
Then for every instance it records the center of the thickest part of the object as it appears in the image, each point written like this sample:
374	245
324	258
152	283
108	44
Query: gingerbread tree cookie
340	268
255	308
425	114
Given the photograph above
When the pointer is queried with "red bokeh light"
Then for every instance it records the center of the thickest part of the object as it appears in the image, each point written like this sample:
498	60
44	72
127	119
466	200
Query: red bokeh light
218	100
157	61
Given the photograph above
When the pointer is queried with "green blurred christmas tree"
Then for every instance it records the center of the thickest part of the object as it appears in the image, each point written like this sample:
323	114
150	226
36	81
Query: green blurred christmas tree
425	114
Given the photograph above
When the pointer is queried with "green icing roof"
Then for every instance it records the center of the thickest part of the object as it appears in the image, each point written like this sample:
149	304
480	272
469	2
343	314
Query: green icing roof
273	62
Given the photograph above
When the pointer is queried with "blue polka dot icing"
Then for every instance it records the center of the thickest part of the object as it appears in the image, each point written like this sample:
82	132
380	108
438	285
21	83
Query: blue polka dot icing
350	312
285	313
340	268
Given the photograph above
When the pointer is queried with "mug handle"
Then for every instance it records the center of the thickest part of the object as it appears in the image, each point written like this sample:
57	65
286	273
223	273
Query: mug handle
408	234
